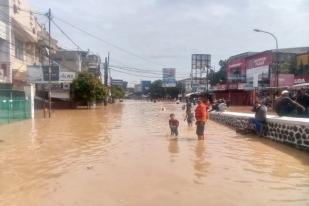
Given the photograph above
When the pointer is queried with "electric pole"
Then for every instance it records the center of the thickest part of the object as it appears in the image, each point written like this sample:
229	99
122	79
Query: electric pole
49	63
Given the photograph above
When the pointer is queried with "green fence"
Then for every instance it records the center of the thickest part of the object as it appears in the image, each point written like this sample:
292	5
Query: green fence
14	106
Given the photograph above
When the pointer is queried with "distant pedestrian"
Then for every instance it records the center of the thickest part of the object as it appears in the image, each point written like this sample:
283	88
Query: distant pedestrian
174	124
189	117
219	106
285	106
200	116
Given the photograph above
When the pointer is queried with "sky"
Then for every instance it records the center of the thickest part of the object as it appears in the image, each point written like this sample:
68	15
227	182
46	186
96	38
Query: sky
156	34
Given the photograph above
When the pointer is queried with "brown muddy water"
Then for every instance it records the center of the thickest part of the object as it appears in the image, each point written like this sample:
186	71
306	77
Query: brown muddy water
123	155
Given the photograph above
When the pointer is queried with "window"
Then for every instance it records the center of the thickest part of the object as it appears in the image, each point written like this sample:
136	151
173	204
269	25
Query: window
19	49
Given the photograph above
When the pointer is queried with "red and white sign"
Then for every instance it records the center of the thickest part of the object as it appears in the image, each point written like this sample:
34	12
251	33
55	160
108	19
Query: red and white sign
285	80
301	79
220	87
259	60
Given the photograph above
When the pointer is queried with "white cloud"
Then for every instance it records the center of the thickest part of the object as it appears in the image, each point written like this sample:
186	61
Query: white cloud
168	31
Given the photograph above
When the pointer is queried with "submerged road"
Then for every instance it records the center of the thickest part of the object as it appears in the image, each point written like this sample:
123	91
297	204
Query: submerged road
123	155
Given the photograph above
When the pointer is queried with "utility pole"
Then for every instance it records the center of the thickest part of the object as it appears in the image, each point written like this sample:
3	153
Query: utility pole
105	72
207	73
49	63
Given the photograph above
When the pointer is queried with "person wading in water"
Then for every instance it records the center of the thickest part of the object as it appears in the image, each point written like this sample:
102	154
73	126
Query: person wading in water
201	118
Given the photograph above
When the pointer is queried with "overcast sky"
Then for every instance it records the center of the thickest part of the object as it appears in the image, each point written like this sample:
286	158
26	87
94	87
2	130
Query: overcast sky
164	33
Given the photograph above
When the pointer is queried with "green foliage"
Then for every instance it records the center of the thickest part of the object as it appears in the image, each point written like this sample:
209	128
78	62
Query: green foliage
158	91
87	88
220	76
117	92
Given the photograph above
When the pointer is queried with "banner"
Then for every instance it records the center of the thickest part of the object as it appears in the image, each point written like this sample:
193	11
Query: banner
201	61
169	77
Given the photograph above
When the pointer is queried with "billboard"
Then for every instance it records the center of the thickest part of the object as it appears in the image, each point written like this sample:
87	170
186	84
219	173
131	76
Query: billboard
201	61
169	77
54	73
285	80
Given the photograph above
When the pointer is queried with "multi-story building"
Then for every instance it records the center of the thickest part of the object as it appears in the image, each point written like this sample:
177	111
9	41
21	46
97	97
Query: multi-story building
255	70
145	85
94	65
22	41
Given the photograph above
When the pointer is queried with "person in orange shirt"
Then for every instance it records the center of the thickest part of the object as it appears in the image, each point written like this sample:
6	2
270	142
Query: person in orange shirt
201	118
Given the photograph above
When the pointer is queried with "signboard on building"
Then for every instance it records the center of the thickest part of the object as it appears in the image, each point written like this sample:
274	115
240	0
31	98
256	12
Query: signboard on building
3	30
201	61
285	80
1	75
258	67
54	73
169	77
67	76
300	79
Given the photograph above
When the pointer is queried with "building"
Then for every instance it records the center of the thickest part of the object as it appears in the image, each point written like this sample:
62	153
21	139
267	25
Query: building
145	87
137	88
249	71
257	70
119	83
22	42
93	63
71	60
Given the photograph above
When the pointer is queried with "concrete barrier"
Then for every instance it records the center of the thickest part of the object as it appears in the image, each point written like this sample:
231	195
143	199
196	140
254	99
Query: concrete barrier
291	131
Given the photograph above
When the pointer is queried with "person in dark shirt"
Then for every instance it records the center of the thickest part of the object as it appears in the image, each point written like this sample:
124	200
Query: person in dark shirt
303	99
174	124
285	106
260	117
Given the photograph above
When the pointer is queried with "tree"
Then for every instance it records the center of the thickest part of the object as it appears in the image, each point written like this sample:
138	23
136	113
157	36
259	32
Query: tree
158	91
117	92
86	89
220	76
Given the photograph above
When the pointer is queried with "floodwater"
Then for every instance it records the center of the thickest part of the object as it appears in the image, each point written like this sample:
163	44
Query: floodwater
123	155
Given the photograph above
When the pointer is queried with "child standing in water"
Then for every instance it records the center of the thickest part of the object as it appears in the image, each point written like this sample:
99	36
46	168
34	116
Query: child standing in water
174	123
189	117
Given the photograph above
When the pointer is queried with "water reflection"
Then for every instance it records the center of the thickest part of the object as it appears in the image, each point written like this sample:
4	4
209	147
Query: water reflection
173	148
200	163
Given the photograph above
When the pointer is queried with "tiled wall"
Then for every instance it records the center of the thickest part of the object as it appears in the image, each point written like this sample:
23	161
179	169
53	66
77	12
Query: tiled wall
293	131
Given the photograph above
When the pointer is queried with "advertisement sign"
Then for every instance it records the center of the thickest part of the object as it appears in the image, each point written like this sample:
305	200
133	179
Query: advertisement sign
67	76
54	73
257	74
169	77
285	80
201	61
3	30
259	60
34	74
220	87
300	79
1	75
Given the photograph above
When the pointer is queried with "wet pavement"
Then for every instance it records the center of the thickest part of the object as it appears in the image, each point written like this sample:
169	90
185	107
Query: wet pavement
123	155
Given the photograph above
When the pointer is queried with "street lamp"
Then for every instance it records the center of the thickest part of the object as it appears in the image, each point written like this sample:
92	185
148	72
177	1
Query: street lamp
277	62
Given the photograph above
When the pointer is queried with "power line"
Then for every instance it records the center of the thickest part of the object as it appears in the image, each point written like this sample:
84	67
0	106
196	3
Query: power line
136	75
106	42
66	35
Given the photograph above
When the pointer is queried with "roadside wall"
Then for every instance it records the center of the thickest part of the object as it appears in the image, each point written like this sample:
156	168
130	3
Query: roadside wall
292	131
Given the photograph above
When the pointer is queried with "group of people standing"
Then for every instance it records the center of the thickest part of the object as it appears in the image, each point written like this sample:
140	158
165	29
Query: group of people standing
292	106
200	114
